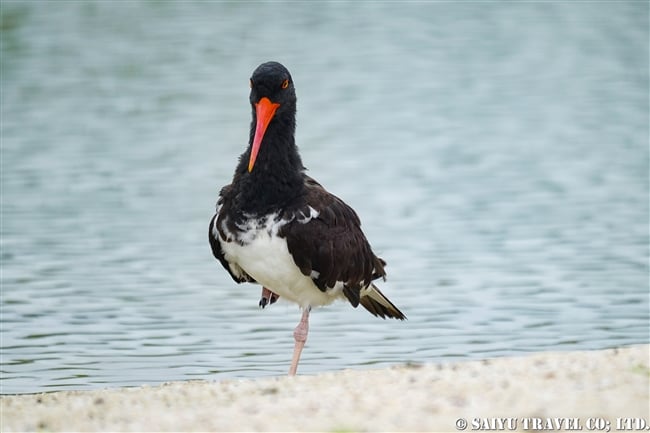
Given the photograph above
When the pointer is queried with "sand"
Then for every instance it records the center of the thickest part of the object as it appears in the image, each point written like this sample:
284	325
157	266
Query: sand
604	390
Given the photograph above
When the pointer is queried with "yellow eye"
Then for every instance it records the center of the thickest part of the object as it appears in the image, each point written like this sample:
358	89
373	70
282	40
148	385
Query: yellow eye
285	84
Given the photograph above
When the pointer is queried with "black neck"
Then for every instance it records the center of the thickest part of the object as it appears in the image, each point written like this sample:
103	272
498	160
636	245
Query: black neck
277	177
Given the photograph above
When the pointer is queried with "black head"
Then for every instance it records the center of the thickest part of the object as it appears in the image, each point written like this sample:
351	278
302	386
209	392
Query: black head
273	99
272	80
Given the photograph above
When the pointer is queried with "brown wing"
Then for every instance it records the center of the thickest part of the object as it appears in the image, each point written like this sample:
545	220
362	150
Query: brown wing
214	232
331	248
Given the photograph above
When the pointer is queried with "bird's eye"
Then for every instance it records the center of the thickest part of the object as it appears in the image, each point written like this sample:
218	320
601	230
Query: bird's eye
250	83
285	84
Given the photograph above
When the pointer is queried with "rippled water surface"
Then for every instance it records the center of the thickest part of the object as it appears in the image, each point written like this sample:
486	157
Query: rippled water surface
497	154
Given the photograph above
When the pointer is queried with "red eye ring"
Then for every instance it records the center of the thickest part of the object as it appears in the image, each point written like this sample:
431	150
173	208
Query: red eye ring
285	84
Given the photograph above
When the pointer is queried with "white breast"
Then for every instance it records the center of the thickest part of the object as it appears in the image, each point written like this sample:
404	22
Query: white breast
265	257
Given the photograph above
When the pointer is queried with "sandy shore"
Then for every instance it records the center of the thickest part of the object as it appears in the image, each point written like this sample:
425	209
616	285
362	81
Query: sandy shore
587	388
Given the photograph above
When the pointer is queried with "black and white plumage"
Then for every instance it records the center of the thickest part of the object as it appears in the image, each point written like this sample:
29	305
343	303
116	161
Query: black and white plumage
278	227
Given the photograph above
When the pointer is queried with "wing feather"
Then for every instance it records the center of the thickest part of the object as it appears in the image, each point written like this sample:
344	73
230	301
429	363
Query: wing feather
332	244
214	235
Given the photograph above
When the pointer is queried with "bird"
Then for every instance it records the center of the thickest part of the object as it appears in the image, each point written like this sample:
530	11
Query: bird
277	227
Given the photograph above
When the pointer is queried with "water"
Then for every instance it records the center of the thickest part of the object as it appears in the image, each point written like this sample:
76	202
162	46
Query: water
497	154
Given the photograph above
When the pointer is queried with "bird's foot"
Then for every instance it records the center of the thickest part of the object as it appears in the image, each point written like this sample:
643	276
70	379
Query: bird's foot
268	297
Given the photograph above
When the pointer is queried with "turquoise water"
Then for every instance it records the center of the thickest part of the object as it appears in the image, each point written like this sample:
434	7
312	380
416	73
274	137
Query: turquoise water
497	154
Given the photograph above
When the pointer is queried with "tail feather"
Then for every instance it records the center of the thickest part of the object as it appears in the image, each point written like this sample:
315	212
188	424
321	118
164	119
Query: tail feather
378	305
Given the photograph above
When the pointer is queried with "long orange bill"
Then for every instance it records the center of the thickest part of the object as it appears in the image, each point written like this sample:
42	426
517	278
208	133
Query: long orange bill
264	109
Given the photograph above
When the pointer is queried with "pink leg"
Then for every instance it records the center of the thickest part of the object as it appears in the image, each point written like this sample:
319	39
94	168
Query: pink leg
268	297
300	335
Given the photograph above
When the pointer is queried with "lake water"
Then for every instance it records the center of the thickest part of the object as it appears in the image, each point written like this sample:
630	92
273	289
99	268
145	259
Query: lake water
497	154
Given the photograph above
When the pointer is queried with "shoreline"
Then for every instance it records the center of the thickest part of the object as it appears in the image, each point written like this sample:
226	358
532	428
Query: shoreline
592	390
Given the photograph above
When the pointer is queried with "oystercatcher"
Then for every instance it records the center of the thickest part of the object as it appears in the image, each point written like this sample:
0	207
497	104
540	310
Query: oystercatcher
277	227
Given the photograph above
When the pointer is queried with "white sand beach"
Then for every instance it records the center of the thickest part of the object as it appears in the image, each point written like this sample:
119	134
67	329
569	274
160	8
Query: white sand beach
605	390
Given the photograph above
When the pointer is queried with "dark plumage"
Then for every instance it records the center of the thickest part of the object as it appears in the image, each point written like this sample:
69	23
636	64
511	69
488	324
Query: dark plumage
278	227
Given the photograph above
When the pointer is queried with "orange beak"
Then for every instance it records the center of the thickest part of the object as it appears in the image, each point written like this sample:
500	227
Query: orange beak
264	109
